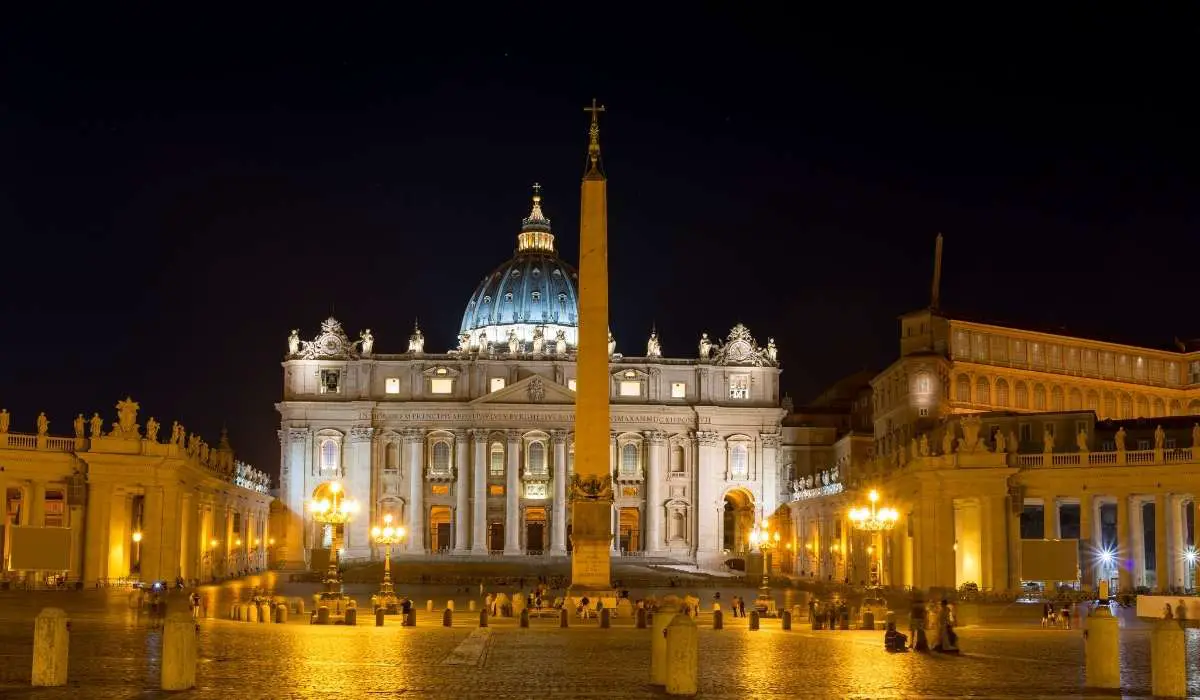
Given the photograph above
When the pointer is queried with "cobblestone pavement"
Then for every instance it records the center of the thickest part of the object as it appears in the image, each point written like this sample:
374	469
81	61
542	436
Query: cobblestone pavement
115	654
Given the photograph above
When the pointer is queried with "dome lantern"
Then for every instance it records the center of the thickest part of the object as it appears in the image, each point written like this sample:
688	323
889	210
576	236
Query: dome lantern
535	228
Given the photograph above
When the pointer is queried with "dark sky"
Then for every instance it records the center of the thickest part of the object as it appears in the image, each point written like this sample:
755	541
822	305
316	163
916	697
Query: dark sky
178	192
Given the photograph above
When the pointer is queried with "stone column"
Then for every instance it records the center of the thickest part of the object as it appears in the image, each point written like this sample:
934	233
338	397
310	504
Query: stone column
1125	554
292	477
512	495
1051	518
558	529
770	473
614	464
37	503
1162	549
1087	550
119	535
479	543
1137	524
657	441
95	559
153	533
414	440
462	487
358	487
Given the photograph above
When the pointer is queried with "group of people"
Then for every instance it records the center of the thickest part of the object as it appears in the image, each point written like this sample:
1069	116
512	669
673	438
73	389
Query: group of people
737	604
1054	618
943	638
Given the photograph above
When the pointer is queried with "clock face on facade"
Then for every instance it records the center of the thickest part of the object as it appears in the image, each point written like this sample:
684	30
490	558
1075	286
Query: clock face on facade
330	345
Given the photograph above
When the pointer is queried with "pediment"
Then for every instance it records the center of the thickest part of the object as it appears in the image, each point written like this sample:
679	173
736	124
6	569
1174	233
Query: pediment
530	390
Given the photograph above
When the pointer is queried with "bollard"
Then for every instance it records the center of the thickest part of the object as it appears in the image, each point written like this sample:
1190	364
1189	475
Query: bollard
845	622
1101	650
448	617
350	617
299	606
797	612
683	652
179	653
264	612
1168	660
718	619
787	620
753	619
483	618
604	618
524	617
641	618
380	616
564	618
323	615
868	621
235	612
280	614
450	605
429	606
658	639
410	620
51	639
244	613
471	606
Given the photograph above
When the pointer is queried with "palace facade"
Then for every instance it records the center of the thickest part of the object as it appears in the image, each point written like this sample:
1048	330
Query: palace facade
471	450
120	504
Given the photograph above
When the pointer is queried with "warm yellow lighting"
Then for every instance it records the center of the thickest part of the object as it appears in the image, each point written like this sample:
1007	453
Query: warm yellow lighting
376	532
212	543
137	536
237	542
387	519
766	524
776	537
873	496
400	532
335	487
271	541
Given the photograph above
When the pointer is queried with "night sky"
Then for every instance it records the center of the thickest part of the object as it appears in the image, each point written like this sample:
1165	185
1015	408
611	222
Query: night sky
177	193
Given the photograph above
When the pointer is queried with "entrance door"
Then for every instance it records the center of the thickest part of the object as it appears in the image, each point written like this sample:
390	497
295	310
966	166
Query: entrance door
533	537
496	537
443	536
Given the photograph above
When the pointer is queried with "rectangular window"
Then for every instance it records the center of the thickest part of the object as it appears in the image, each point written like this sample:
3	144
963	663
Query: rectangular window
1169	444
441	386
739	386
678	390
923	412
331	381
497	383
1143	444
391	385
496	465
1026	432
1108	446
571	384
495	490
439	489
629	388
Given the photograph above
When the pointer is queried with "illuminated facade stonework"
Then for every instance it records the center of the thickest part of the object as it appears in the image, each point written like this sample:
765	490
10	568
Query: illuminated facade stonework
471	449
123	502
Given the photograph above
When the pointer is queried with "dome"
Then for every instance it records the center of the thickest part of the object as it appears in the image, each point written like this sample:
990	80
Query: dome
533	292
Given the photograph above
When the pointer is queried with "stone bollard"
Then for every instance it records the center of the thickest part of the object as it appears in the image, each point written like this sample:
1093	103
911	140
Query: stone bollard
786	620
1168	660
323	615
1102	650
797	612
483	622
641	618
429	606
179	652
564	618
658	639
380	616
524	617
471	606
718	619
753	619
450	605
264	612
51	640
448	617
410	620
235	612
299	606
683	656
350	617
281	614
246	614
605	618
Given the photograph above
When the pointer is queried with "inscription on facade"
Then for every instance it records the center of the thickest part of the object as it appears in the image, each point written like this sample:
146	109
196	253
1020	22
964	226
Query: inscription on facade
492	417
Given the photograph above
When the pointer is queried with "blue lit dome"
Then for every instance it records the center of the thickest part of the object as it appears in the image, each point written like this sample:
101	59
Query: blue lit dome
534	292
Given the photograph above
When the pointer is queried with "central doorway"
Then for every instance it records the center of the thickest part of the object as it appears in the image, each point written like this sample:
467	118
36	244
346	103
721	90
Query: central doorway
496	536
535	530
439	528
737	521
629	530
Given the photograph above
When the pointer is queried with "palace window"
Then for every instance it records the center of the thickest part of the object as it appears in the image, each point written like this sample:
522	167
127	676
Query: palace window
331	381
1035	354
536	458
329	455
629	460
630	388
923	383
1026	432
1172	373
678	390
739	462
1056	356
496	464
54	509
571	384
1039	397
391	385
739	386
1168	443
496	383
441	386
1143	444
1194	373
439	458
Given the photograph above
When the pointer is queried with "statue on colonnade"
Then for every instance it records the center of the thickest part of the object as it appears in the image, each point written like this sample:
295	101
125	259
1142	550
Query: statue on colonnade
1119	438
43	424
5	418
1160	437
78	425
97	425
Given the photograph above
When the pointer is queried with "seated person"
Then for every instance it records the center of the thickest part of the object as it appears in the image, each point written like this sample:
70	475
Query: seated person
893	640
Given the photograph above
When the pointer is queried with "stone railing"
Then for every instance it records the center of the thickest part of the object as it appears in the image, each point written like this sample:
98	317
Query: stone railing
826	490
1097	459
22	441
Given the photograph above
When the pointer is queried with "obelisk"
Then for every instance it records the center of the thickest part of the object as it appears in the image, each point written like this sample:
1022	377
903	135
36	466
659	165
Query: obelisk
591	489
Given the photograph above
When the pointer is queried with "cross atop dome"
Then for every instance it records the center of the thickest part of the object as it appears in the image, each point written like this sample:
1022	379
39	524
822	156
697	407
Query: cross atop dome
535	228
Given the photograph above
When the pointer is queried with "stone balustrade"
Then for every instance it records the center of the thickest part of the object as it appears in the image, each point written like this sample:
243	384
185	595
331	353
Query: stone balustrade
1097	459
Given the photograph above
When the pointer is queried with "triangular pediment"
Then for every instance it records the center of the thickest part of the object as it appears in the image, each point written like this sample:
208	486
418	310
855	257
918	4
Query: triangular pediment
530	390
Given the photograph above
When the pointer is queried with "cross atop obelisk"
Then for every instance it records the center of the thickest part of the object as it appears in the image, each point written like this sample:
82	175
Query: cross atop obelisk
593	169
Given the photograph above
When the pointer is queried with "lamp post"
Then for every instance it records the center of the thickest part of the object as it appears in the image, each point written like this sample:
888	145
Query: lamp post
764	539
137	552
387	536
871	520
333	512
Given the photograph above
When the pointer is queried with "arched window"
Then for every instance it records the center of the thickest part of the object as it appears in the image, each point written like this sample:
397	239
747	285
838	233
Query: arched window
983	391
1002	393
677	459
1039	397
964	388
739	462
1056	399
329	455
392	460
1022	395
439	458
536	458
629	460
923	383
496	465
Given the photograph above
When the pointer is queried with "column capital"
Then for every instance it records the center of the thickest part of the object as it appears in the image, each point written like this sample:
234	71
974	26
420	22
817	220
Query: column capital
361	434
656	437
770	440
461	435
558	437
479	434
513	436
298	434
708	438
414	435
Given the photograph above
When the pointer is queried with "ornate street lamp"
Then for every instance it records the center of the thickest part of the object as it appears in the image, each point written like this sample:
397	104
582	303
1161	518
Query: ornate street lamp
764	539
387	536
333	512
873	519
137	552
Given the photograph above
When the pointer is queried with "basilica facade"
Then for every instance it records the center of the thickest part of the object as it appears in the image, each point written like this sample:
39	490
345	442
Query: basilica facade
471	449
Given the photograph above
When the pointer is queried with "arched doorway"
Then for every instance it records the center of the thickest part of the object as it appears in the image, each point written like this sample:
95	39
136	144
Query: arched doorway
737	520
629	529
439	528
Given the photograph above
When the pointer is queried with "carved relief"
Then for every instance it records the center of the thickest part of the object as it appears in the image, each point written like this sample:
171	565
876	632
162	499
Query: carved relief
361	434
740	348
537	390
770	440
592	488
708	438
296	434
331	342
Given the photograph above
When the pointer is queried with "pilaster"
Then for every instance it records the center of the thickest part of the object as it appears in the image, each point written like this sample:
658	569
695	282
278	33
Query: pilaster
479	543
462	487
558	539
512	494
414	442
